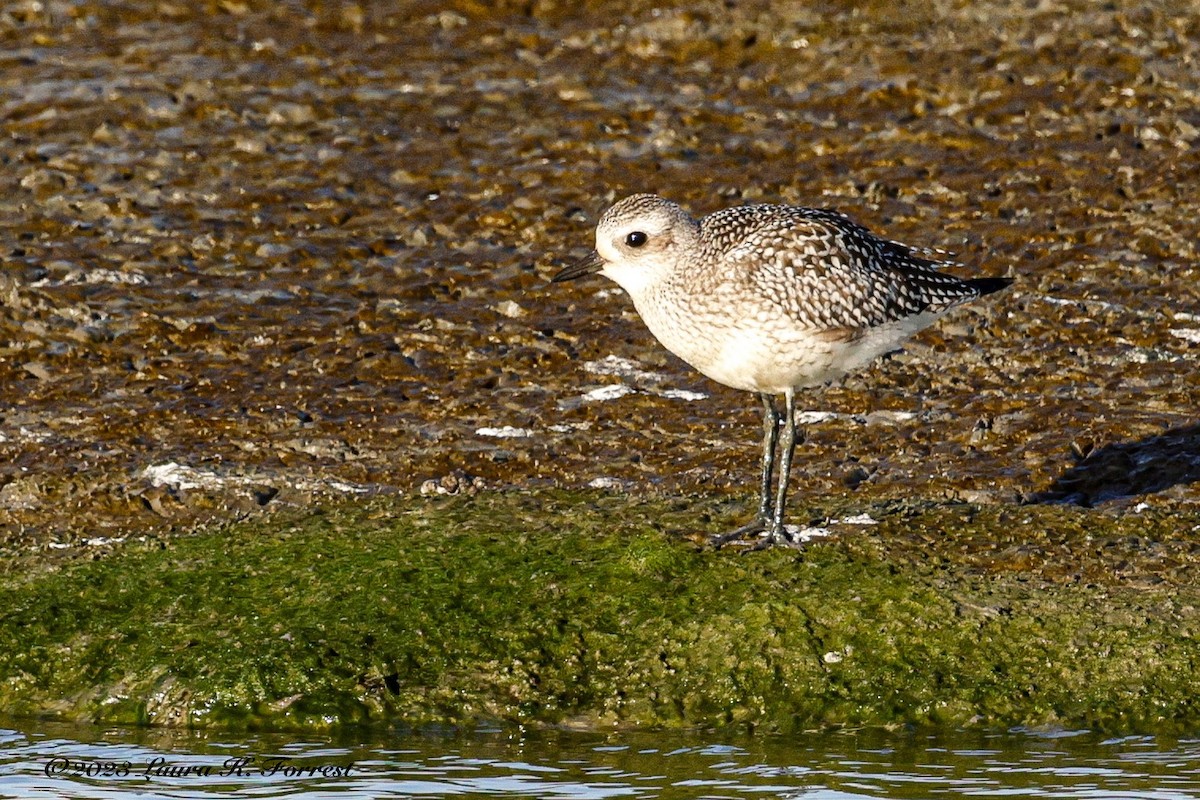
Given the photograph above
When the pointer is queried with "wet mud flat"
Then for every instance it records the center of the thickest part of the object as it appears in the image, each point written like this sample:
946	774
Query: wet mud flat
257	260
259	254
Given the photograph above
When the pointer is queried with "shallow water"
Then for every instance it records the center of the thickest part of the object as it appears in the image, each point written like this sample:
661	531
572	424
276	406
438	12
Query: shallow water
51	760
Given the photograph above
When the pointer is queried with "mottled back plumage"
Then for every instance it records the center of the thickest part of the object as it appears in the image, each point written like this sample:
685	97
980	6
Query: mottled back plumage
826	270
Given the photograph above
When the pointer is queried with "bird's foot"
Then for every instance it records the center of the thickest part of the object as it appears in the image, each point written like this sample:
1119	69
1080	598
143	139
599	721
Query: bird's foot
760	535
775	535
745	532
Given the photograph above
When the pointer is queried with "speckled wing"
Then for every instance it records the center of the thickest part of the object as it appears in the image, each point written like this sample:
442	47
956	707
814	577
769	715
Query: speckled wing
827	272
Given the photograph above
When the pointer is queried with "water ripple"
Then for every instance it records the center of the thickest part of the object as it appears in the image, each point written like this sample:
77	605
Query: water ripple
47	760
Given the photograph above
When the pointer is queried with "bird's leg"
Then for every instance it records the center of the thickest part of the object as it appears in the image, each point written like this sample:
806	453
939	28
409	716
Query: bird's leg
777	534
770	438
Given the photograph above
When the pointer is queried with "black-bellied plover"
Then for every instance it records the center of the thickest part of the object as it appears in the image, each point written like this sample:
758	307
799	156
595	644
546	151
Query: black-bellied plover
771	299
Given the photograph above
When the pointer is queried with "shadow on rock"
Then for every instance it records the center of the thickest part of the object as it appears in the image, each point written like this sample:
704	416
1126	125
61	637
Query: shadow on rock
1129	469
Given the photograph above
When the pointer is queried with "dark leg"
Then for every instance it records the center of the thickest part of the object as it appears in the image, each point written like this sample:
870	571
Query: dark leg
776	534
770	438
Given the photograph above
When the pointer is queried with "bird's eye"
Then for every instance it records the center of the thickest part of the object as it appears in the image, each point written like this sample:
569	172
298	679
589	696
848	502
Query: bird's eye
636	239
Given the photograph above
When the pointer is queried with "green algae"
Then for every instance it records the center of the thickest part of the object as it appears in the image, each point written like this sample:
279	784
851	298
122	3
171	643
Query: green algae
592	611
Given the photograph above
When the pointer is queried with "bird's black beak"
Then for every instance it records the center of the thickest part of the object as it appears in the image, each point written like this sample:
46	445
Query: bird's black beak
590	263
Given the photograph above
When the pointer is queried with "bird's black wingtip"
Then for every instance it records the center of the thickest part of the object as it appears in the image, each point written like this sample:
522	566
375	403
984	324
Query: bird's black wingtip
989	285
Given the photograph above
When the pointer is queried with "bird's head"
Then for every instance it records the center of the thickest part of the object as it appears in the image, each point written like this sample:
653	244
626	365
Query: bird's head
638	243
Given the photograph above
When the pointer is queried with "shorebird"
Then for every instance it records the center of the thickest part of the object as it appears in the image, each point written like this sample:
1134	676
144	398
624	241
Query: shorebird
771	299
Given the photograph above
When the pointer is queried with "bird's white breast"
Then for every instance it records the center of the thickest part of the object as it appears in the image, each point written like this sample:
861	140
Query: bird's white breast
761	349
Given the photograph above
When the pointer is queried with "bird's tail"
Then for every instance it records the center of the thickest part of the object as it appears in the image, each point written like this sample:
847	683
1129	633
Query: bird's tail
988	285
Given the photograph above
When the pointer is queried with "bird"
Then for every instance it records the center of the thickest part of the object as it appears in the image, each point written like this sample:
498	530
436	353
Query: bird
771	299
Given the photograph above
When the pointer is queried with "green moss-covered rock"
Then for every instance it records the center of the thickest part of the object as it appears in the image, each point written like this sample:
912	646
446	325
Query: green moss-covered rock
550	608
